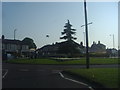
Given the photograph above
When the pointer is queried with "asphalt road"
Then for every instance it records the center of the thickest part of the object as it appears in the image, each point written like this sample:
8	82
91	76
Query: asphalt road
40	76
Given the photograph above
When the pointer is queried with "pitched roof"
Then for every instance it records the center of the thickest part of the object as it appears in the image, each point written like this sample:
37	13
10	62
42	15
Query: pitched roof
10	41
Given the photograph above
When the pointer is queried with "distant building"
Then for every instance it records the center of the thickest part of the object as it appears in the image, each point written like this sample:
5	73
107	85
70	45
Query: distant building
98	48
13	48
47	50
112	52
55	50
119	53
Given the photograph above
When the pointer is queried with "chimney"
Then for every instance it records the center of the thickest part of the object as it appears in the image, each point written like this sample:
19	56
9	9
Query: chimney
98	42
3	37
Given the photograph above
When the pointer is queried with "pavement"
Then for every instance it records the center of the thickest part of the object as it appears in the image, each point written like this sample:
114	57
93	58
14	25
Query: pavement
41	76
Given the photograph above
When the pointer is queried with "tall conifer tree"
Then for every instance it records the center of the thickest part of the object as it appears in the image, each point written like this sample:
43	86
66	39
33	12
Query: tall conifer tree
68	32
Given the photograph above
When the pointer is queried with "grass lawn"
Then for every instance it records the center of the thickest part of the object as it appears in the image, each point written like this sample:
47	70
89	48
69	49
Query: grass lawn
32	61
51	61
108	77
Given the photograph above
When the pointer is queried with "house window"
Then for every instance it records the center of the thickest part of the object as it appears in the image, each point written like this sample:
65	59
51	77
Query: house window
13	46
24	47
17	47
8	46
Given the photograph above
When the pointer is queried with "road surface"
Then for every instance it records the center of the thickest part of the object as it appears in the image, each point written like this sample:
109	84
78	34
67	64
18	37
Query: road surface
40	76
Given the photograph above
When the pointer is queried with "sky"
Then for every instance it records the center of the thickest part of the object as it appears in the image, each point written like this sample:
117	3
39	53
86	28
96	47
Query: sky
119	25
38	19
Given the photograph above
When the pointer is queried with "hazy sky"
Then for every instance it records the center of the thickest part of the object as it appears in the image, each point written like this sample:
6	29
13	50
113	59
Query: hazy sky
119	25
37	19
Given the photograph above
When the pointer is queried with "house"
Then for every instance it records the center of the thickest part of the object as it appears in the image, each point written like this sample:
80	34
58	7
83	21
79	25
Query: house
13	48
119	53
112	52
98	48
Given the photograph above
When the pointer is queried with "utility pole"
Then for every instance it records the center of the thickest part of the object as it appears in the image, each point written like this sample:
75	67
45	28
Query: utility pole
86	29
87	24
84	32
84	38
14	33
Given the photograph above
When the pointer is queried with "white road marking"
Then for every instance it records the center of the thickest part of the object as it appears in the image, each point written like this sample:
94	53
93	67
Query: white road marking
5	73
61	74
76	81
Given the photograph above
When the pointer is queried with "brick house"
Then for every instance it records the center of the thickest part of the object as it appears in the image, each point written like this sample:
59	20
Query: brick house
15	48
98	48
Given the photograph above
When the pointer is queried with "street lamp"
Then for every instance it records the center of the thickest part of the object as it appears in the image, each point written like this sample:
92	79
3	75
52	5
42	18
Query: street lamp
113	41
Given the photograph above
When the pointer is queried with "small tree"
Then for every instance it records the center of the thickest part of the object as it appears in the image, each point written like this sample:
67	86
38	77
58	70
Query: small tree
68	32
30	42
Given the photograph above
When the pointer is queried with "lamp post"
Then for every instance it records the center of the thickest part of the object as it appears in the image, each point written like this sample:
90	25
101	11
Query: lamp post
113	50
14	33
113	40
86	30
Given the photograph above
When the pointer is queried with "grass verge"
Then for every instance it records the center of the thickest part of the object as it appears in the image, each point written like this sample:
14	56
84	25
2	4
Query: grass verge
82	61
107	77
